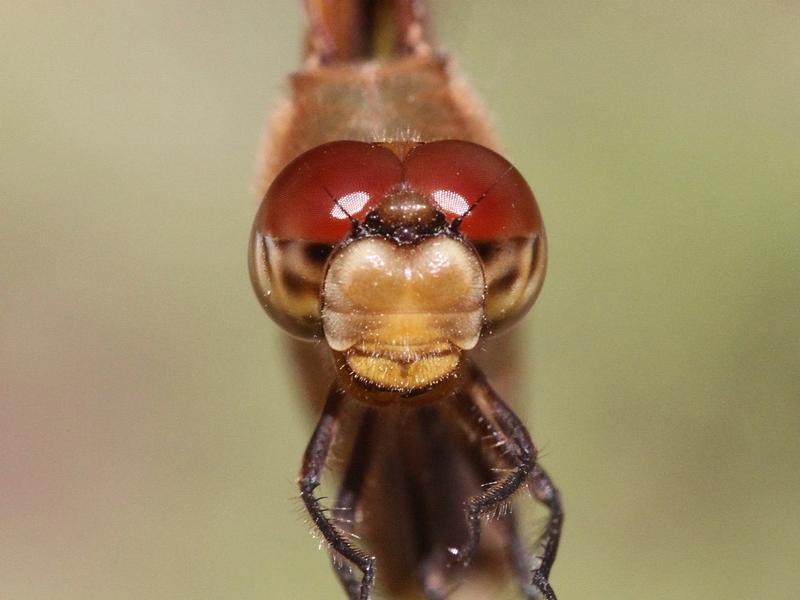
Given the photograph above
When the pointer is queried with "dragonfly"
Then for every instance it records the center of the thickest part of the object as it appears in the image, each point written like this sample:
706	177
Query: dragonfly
393	242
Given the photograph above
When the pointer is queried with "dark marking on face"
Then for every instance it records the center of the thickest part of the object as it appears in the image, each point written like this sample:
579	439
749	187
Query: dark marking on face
296	284
487	250
505	282
317	253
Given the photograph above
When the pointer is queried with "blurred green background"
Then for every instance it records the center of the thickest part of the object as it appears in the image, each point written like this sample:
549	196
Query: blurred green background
150	435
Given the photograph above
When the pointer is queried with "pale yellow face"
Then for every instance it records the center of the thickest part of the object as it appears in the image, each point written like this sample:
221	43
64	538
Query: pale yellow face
401	315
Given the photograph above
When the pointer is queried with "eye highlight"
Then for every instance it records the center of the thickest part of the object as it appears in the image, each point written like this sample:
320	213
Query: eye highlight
349	205
450	202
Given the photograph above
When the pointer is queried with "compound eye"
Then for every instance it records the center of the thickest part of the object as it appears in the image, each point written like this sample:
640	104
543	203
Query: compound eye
470	182
315	196
495	209
307	210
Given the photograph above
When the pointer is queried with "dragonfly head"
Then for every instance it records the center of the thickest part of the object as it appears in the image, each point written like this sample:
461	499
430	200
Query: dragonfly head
400	256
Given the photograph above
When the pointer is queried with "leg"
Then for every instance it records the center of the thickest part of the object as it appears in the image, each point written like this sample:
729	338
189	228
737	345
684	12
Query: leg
480	403
347	500
542	488
532	585
518	555
310	472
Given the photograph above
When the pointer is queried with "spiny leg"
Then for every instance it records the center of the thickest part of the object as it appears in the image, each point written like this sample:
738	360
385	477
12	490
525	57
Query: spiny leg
485	469
542	488
480	402
519	557
348	497
479	406
518	553
313	463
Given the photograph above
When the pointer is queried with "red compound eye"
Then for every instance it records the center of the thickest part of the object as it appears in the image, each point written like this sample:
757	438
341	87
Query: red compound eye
470	181
311	198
